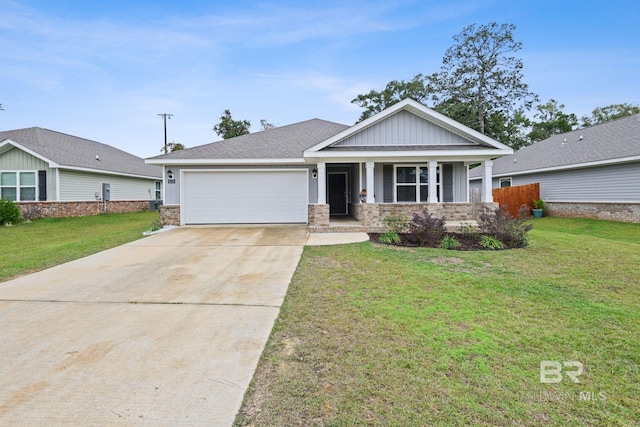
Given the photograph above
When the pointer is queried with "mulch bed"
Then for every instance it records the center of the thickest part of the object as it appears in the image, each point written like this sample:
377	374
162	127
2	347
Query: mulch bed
467	243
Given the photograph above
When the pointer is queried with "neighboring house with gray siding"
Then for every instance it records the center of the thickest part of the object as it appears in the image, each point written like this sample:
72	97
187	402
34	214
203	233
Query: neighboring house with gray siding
43	166
590	172
406	158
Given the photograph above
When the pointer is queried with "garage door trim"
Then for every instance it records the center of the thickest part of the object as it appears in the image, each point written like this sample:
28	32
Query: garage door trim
184	182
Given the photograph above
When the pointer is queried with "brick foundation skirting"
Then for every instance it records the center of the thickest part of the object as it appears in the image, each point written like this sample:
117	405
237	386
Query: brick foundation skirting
625	212
33	210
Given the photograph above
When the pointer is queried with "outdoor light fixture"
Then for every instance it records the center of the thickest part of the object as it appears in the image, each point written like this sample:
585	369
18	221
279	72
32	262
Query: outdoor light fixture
314	173
169	174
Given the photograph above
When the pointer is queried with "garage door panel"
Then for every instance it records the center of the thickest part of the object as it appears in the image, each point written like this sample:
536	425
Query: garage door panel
245	197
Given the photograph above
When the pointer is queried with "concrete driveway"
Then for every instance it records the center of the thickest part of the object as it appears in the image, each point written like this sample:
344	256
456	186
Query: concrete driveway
166	330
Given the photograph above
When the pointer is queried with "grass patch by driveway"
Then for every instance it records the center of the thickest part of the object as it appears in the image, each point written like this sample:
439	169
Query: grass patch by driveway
378	335
43	243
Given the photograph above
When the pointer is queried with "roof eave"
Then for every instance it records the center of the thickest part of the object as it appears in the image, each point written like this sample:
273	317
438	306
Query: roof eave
607	162
257	161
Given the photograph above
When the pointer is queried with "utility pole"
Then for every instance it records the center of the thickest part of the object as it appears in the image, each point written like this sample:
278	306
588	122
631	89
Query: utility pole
165	116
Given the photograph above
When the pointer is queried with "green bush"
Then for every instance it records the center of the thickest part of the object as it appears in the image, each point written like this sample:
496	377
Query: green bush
491	242
509	230
449	242
396	223
9	212
390	238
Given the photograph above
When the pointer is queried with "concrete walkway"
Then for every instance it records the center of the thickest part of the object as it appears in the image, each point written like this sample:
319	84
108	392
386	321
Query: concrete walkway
166	330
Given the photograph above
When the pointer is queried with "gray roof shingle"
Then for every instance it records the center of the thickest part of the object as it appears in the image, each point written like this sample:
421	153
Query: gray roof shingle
285	142
607	141
76	152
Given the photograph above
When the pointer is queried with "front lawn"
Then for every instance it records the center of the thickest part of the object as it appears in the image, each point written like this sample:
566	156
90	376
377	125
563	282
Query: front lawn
43	243
378	335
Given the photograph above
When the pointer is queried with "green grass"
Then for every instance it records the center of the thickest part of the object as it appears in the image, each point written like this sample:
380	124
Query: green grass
43	243
377	335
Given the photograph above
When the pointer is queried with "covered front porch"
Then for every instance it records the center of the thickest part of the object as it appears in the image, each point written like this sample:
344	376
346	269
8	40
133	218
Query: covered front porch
357	196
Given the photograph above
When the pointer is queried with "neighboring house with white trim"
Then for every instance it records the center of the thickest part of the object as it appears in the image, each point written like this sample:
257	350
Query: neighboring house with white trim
64	175
590	172
407	158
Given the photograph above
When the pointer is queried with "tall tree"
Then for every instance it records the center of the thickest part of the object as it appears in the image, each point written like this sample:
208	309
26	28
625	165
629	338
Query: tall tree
229	128
551	121
265	125
395	91
480	71
610	112
174	146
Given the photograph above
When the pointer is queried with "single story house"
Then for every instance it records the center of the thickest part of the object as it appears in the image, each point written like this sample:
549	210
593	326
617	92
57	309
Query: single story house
402	160
591	172
50	173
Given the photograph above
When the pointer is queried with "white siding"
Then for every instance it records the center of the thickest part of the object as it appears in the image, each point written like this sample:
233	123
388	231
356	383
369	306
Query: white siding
404	128
77	186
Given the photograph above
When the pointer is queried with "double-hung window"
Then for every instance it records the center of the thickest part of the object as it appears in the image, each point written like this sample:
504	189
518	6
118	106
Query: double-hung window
412	184
158	190
18	186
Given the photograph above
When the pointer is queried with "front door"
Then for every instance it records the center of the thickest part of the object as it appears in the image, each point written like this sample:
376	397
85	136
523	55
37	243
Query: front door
337	193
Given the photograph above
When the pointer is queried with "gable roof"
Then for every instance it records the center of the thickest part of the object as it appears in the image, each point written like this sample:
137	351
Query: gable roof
610	142
72	152
285	143
477	139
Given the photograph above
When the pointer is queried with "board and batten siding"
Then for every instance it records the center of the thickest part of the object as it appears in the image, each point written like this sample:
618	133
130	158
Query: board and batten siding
172	191
403	128
17	160
83	186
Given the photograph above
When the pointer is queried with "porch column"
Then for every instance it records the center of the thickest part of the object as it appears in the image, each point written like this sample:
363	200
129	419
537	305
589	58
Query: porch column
322	183
487	177
433	181
370	186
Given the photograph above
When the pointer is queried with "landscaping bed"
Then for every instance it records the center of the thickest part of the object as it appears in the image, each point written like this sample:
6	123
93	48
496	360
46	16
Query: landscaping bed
466	242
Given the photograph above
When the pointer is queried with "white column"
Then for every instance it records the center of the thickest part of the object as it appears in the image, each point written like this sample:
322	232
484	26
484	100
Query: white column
370	180
487	177
322	183
433	181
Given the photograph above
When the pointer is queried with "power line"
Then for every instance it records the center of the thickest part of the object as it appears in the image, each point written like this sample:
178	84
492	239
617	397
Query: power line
164	117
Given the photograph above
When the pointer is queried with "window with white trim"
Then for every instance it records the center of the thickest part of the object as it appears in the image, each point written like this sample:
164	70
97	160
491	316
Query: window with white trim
18	186
412	183
158	190
505	182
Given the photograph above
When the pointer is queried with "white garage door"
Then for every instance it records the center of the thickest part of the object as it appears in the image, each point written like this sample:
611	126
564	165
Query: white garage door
245	196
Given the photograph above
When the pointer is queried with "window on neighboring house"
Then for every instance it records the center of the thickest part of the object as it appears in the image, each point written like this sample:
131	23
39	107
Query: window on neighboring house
505	182
158	190
412	183
18	186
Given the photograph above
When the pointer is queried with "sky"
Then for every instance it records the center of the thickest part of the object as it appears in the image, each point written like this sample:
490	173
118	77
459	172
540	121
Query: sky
104	70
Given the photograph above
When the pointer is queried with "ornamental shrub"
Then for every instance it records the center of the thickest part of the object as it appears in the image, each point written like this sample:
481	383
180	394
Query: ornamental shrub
9	212
509	230
426	228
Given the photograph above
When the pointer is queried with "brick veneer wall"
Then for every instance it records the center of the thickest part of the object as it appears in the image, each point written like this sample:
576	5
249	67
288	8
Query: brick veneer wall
319	215
371	215
32	210
625	212
169	215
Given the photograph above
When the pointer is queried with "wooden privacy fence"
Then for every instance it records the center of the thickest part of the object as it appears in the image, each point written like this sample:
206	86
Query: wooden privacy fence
514	197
